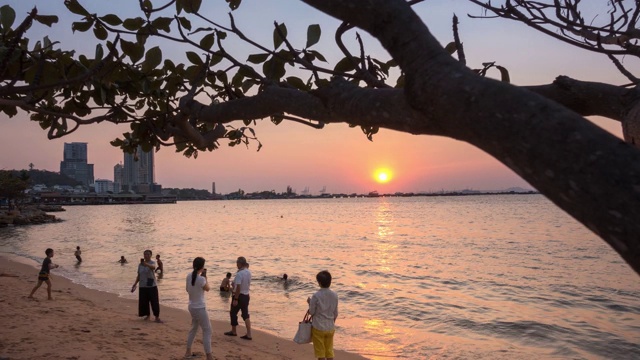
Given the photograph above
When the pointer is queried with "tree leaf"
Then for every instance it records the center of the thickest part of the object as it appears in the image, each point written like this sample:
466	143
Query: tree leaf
99	52
133	24
81	26
46	19
191	6
318	55
504	73
162	23
111	19
194	58
152	59
207	41
277	39
451	48
257	58
215	58
7	17
100	32
133	50
76	8
297	83
313	35
345	65
274	68
185	22
234	4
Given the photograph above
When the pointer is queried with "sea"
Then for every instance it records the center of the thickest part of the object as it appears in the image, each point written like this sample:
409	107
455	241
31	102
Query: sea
441	277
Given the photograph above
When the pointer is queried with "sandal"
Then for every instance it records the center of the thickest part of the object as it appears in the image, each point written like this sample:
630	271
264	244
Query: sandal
230	333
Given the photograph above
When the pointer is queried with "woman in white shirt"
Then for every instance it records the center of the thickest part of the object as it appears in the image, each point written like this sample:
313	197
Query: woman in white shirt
196	286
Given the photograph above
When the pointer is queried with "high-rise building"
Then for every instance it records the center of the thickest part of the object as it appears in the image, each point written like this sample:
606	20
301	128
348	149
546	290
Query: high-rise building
213	188
118	177
74	163
138	172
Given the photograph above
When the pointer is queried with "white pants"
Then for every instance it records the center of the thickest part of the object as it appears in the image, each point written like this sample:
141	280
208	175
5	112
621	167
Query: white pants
199	317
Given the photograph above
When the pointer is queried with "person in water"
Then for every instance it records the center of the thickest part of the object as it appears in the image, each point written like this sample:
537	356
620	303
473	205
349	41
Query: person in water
160	267
122	260
77	254
225	285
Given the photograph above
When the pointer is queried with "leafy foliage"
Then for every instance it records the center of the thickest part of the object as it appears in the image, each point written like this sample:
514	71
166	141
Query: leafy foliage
128	81
12	186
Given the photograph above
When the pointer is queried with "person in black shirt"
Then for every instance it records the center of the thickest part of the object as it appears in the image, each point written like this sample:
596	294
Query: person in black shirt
43	275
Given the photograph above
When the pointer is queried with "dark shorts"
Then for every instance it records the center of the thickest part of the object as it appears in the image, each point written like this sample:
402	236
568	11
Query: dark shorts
242	306
43	276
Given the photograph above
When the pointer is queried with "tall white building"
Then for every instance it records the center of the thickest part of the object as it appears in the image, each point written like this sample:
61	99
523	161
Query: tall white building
118	177
138	171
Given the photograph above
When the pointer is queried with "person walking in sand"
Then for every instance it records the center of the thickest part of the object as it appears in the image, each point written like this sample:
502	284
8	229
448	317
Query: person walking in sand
77	254
160	267
225	285
196	286
44	274
240	300
148	292
323	306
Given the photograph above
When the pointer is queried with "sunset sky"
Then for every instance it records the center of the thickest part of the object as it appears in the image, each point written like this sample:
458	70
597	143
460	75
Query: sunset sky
338	157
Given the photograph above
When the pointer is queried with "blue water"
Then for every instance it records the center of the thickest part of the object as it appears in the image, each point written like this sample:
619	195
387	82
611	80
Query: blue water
476	277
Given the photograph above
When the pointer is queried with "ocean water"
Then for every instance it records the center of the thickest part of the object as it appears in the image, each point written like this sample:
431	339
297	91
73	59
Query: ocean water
475	277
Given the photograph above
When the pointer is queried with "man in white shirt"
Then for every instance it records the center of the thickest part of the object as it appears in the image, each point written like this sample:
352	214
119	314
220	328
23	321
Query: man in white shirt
240	301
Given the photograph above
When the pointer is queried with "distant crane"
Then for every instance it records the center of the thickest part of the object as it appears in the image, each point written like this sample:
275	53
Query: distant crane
305	192
323	191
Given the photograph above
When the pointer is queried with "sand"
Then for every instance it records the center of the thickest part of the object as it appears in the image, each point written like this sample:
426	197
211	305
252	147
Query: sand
81	323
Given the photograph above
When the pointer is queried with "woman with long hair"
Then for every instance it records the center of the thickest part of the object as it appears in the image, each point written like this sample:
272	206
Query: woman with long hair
196	286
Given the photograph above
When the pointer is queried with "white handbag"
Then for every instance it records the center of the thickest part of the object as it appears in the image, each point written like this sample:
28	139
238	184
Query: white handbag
303	335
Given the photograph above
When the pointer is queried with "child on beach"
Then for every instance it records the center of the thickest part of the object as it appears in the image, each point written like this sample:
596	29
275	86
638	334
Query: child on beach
323	306
122	260
43	275
225	285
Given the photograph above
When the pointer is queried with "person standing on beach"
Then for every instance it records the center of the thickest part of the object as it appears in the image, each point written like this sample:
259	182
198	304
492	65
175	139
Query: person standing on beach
148	292
44	274
78	253
196	286
240	300
323	306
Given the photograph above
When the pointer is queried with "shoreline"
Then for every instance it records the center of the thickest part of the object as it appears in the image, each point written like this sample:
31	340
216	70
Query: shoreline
82	323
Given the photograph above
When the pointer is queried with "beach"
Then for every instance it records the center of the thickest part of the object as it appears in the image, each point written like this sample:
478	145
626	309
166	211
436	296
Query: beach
81	323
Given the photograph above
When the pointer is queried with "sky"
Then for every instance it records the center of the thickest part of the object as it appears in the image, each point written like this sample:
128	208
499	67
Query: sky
337	158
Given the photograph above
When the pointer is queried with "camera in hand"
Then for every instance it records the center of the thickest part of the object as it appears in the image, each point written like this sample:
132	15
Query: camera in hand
204	272
141	260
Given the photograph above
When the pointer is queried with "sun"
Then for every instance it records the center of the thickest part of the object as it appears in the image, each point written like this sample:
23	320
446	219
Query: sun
382	176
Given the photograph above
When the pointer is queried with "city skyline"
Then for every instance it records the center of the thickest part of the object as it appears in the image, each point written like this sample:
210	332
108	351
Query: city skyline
338	157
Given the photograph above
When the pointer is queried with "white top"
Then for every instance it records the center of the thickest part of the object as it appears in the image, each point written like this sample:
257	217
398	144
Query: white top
243	280
147	278
324	309
196	292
